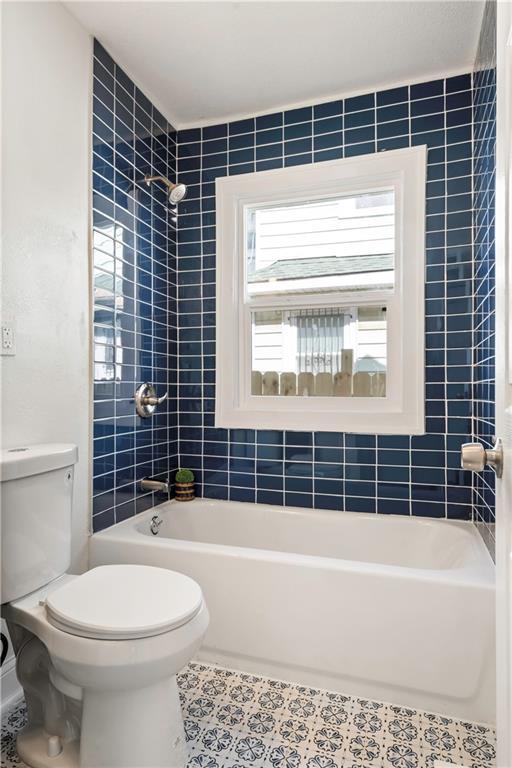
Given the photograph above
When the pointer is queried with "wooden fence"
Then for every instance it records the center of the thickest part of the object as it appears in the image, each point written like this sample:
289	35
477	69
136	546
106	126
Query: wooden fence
361	384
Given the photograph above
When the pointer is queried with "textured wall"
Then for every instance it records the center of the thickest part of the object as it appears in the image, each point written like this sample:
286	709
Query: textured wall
389	474
45	279
134	293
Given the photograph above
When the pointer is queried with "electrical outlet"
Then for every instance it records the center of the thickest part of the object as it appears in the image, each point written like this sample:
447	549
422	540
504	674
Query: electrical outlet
8	341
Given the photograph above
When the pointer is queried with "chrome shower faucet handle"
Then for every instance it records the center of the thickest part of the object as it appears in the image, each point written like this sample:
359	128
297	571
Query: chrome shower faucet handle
146	400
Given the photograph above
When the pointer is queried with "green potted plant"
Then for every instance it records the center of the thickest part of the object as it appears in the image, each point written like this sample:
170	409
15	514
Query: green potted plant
184	485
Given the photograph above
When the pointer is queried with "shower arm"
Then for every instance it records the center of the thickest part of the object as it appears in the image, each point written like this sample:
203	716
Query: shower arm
149	179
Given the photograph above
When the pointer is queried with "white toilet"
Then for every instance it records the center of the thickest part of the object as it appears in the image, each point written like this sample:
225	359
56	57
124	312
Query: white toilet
97	654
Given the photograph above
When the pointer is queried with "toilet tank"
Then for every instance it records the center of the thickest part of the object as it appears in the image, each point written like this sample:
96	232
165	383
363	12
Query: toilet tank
36	484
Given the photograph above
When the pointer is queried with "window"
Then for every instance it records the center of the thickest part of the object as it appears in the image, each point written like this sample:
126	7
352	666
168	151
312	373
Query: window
108	299
320	283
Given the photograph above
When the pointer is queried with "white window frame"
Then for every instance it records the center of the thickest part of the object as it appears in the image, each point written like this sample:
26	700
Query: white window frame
401	411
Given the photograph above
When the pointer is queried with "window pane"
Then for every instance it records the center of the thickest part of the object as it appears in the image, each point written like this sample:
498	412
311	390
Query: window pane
340	243
332	351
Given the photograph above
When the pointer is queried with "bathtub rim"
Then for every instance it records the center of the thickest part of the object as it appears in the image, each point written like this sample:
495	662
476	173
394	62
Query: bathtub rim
479	572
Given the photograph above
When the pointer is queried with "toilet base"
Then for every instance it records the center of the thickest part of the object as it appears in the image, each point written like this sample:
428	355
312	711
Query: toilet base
134	728
121	729
32	746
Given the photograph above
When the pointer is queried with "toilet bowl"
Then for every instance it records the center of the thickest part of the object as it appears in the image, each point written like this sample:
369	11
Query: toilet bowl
97	656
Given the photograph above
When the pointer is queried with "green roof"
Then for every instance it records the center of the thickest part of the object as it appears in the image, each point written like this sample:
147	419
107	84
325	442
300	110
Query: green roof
322	266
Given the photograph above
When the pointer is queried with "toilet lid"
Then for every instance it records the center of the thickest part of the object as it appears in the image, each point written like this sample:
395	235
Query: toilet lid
122	602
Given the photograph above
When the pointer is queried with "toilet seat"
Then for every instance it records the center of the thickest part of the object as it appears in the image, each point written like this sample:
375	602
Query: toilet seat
124	602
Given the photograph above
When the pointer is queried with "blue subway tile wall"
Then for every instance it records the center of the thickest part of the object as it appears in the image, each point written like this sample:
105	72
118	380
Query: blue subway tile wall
134	284
410	475
484	205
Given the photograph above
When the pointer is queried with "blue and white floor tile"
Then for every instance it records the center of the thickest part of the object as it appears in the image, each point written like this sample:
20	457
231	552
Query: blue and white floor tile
236	720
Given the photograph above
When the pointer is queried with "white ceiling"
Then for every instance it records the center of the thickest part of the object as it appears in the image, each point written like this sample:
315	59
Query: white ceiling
206	62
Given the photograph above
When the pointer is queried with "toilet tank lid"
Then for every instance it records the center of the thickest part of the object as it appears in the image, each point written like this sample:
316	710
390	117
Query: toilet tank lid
26	460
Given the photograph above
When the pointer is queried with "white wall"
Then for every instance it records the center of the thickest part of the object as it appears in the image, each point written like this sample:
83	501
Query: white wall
46	64
46	82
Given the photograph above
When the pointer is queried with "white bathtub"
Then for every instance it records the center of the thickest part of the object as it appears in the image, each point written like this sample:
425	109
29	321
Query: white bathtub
383	607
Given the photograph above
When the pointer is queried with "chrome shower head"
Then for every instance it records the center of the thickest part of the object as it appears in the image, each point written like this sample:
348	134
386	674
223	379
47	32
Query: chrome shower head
176	191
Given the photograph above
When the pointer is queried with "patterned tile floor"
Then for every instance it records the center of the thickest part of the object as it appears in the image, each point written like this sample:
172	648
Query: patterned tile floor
236	720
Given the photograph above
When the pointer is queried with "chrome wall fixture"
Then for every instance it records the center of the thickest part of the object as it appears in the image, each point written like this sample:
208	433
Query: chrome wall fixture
176	191
475	457
154	485
155	524
146	400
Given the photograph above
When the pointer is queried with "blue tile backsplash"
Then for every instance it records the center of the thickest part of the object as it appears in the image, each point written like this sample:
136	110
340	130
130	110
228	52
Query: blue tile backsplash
484	204
155	305
387	474
134	275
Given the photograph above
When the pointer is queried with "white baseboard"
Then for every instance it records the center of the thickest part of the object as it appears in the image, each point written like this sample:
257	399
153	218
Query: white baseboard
10	690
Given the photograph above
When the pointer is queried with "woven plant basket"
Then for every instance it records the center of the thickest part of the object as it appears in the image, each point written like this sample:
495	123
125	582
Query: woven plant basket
185	491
